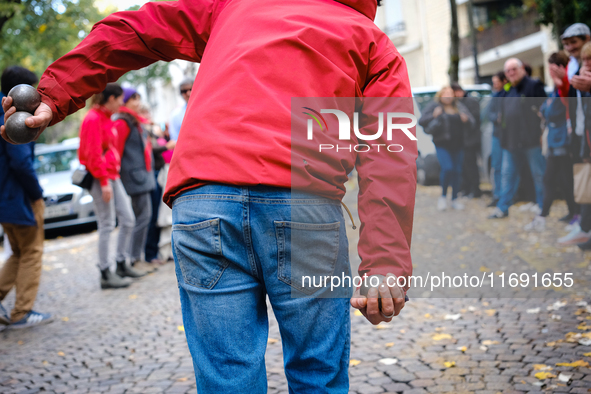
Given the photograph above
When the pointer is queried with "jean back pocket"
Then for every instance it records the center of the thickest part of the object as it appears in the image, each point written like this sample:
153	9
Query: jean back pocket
198	248
307	254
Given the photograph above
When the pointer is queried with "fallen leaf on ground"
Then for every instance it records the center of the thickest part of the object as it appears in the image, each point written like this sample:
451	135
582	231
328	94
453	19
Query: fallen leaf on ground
20	342
381	327
488	342
390	344
578	363
483	348
533	310
428	316
564	377
182	379
544	375
132	296
439	337
62	354
449	364
462	349
388	361
542	367
556	306
484	269
490	312
272	341
464	248
357	312
181	328
452	317
65	318
556	317
587	354
354	362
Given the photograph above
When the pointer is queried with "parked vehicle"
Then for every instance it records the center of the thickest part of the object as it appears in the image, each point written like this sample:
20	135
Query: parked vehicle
65	204
427	163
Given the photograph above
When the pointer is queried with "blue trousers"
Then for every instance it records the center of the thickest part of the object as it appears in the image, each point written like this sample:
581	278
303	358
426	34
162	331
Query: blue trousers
450	174
512	162
233	247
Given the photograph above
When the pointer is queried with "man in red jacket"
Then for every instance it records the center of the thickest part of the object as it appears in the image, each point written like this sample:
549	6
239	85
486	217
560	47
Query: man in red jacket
246	225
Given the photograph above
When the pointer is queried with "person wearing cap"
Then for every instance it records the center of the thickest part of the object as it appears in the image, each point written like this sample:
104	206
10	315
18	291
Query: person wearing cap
98	152
176	121
137	178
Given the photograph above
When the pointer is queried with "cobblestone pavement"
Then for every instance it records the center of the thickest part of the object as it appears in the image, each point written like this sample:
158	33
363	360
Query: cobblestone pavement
486	340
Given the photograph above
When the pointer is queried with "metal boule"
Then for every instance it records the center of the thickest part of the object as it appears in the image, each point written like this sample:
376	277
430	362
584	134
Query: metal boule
25	98
18	131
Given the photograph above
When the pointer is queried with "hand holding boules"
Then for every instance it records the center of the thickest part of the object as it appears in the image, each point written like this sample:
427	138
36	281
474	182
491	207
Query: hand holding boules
25	115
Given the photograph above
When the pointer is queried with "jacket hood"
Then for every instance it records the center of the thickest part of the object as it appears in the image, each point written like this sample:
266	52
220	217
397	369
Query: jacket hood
366	7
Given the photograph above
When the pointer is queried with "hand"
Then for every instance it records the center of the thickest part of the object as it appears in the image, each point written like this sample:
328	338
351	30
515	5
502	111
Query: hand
392	298
582	82
107	192
171	144
41	118
437	111
464	117
557	74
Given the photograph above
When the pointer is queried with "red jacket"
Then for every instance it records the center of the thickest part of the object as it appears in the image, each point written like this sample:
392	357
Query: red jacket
256	55
97	151
123	132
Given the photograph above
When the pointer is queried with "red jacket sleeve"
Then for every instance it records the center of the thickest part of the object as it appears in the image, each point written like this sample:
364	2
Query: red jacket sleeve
91	148
387	181
126	41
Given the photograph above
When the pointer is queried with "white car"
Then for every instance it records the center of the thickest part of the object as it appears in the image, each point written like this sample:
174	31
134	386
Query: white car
65	204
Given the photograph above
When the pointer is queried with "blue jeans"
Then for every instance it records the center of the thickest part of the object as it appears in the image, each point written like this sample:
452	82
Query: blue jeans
450	174
497	165
512	162
233	247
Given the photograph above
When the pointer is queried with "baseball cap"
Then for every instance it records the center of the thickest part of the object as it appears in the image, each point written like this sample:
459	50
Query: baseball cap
578	29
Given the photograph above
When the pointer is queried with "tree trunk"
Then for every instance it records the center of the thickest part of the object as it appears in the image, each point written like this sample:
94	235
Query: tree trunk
557	25
4	18
454	60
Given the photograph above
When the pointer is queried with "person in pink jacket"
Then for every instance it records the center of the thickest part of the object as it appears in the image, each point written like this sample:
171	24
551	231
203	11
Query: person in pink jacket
254	212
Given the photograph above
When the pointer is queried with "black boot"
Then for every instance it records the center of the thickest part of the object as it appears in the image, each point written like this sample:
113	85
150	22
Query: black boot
124	270
585	245
110	280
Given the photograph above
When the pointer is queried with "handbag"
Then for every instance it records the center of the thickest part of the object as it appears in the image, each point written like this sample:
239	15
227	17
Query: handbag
582	173
82	177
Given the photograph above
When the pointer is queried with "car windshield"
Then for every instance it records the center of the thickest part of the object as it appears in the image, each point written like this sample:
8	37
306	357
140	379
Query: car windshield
64	160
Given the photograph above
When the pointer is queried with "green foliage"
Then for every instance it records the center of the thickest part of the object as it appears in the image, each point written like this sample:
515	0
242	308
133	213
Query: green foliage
563	13
40	31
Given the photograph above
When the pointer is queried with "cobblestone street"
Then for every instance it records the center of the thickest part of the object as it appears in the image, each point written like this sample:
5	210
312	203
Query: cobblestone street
465	340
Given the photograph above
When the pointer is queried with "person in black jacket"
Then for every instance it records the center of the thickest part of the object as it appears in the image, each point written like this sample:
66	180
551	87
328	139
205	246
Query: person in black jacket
450	123
520	135
472	140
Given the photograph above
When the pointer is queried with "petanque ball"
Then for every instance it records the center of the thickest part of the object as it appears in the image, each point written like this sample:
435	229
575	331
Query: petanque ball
25	98
16	129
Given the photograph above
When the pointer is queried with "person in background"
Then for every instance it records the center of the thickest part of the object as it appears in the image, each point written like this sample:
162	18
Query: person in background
137	178
21	216
520	136
494	114
450	123
98	152
559	165
176	121
472	140
581	233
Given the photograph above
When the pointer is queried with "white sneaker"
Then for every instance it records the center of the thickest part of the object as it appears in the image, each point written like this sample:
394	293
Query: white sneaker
526	207
576	236
538	224
536	209
442	203
458	206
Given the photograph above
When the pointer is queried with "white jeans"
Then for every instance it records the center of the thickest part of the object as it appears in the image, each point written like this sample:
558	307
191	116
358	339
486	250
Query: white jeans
120	207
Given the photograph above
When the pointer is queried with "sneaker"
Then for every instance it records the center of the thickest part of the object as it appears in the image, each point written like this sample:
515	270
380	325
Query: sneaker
32	319
536	209
576	236
458	206
442	203
493	203
526	207
498	214
538	224
574	222
4	318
